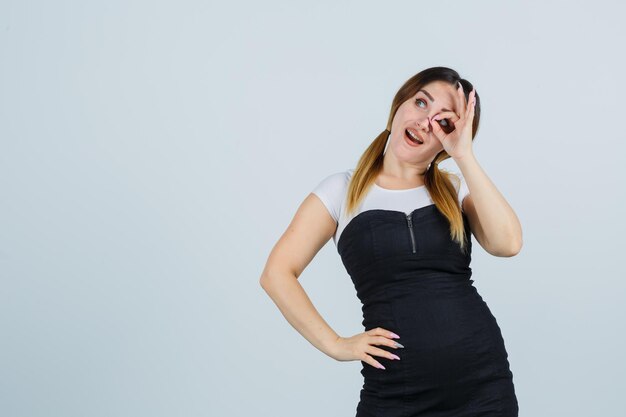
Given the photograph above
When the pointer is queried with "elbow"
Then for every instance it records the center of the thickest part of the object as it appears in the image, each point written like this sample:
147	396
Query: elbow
267	277
512	248
518	242
267	286
268	281
510	243
264	281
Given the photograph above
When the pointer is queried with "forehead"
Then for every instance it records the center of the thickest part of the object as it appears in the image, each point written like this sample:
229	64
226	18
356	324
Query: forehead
441	94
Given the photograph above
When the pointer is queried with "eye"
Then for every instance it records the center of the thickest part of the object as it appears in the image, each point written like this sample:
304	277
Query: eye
419	100
446	125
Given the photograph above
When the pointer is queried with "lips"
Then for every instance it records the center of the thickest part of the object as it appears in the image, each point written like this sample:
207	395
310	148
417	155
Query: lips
412	134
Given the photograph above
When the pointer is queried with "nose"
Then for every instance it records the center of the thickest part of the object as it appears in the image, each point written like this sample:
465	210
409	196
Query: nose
424	125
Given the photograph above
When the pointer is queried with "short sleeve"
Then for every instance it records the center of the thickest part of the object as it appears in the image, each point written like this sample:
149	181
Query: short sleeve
462	190
332	190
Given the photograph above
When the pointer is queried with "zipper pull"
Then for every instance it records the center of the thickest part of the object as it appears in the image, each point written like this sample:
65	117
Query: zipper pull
410	223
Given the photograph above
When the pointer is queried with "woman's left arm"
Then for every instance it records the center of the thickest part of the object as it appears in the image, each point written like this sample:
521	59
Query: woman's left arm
492	220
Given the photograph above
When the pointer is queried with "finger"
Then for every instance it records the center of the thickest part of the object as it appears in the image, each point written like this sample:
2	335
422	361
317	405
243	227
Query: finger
369	360
380	340
379	331
461	97
470	117
438	132
382	353
446	114
472	103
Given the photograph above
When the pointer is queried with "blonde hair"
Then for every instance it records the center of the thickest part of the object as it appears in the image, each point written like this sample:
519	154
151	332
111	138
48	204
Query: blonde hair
438	182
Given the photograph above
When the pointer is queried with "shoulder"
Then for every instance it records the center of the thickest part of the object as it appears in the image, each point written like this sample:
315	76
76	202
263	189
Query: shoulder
332	191
336	180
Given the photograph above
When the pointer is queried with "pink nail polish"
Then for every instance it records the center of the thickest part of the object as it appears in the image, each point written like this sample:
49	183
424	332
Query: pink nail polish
382	367
395	335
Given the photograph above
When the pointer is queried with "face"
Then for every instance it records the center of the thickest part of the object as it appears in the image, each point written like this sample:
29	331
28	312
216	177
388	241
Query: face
416	116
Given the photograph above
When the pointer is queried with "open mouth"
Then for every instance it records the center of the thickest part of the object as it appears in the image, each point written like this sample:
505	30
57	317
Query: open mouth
412	136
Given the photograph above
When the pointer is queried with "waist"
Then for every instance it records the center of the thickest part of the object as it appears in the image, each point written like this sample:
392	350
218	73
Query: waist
420	295
381	286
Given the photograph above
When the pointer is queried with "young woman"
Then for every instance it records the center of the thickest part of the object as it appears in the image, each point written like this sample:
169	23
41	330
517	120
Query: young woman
402	227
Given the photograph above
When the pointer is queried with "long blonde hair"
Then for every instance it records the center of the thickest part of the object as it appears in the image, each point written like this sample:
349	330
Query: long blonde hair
437	181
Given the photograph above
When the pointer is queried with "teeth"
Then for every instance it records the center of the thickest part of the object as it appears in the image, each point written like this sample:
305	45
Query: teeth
414	137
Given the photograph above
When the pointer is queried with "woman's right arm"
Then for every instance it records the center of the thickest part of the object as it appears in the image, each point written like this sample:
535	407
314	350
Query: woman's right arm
310	229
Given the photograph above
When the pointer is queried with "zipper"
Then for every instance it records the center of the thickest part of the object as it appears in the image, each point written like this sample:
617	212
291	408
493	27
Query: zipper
410	223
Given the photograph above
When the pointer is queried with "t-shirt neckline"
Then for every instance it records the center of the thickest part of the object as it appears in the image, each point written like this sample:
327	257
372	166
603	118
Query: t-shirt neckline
404	189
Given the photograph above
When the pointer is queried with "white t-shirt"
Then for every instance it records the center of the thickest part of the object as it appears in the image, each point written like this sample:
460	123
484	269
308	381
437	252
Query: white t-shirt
333	190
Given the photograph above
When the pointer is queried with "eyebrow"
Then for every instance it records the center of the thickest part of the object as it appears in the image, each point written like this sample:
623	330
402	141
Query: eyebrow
432	99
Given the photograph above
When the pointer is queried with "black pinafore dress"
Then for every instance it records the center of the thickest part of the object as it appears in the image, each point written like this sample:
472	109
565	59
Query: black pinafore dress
414	280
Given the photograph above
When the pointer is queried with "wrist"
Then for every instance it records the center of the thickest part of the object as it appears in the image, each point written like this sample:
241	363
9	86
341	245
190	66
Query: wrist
465	159
330	346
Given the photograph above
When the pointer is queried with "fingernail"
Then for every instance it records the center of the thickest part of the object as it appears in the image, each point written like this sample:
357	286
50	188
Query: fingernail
396	357
398	345
395	335
381	367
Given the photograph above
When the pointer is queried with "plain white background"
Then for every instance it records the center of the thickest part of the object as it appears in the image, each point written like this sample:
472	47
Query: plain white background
152	153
